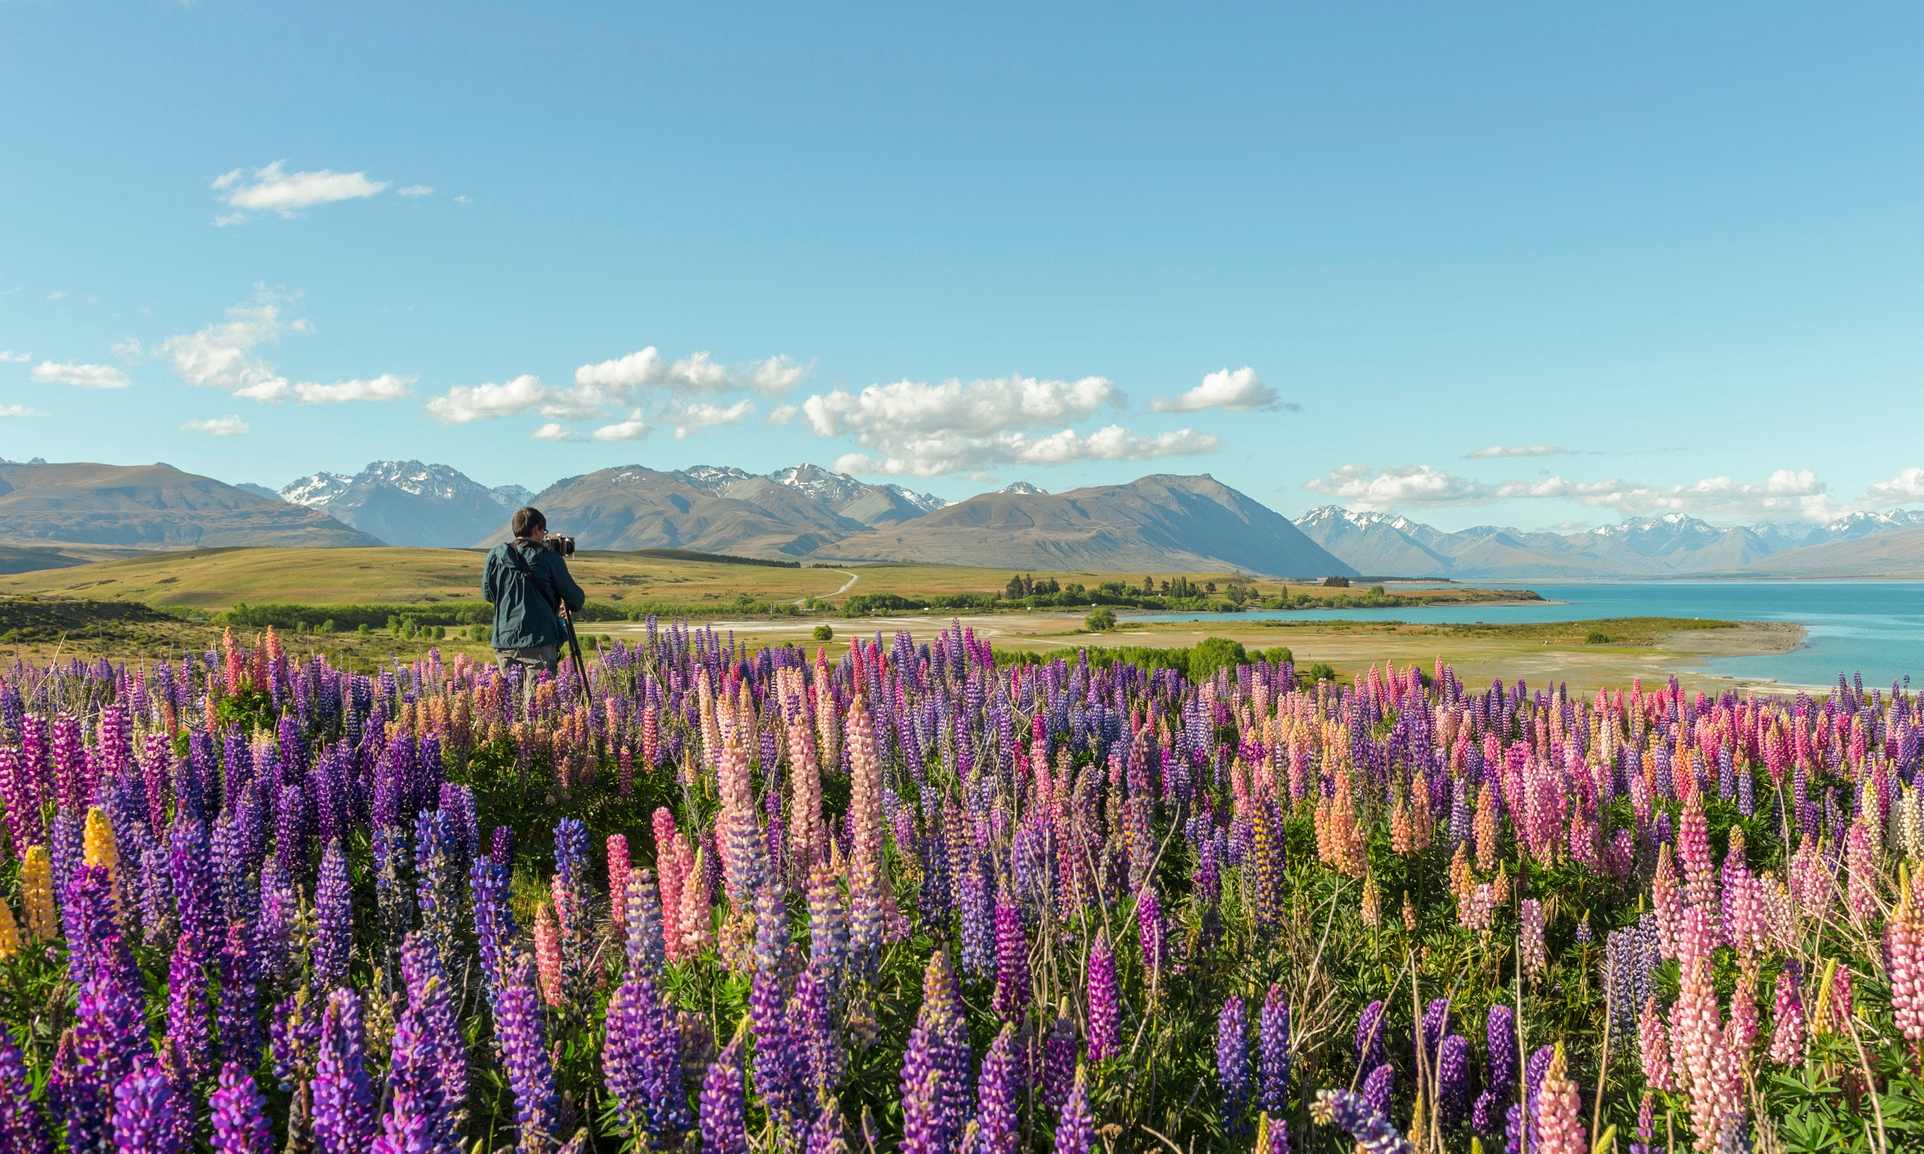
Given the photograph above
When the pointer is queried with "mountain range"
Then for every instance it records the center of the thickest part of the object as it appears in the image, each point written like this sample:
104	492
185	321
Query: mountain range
1671	545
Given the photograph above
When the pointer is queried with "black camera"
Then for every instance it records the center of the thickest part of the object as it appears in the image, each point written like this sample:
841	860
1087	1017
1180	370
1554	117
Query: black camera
562	545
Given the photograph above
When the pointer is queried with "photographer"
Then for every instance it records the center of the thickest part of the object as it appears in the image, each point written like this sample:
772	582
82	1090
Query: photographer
528	583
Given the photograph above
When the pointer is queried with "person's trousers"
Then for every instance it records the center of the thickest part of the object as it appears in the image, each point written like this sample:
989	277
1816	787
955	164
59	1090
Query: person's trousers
531	657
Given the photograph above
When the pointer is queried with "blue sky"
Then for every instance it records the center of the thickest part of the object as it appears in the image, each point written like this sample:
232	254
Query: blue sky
1681	246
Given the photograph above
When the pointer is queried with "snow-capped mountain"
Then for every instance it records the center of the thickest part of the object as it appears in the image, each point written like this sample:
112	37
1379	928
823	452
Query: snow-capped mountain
1023	489
1667	545
840	493
409	503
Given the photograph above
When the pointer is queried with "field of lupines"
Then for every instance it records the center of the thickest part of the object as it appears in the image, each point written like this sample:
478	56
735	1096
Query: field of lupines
900	895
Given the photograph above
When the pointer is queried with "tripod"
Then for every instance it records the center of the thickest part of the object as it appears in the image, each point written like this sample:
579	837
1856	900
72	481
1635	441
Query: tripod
574	657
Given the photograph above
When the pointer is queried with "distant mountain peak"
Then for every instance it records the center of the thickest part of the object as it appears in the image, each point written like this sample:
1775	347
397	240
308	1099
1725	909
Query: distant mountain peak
1023	489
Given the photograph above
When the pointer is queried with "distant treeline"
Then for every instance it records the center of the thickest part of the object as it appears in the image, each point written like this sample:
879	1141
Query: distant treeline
1197	662
721	558
349	618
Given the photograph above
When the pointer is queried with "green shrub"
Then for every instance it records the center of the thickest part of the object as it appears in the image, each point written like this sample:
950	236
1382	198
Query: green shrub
1101	620
1213	653
1596	637
824	633
1321	671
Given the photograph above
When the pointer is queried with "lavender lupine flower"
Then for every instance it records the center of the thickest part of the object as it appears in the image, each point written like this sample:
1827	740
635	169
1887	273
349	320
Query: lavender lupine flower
998	1092
239	1121
238	1017
333	920
978	918
493	919
524	1051
1646	1124
813	1024
1152	931
825	1136
1369	1037
431	1003
645	946
1105	1035
343	1096
778	1059
1058	1060
1372	1130
1499	1079
1378	1087
1453	1078
1232	1062
436	895
1011	961
936	1068
724	1105
1076	1130
189	861
146	1111
641	1060
418	1118
22	1128
1272	1052
1436	1023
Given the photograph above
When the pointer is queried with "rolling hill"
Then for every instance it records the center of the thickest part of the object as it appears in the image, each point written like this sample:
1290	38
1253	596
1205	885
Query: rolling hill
152	507
1157	523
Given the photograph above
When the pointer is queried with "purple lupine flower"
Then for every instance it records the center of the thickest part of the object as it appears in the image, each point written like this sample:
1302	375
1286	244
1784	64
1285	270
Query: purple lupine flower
778	1060
1436	1023
187	1007
1011	961
1368	1126
813	1025
238	1015
1522	1128
431	1001
1272	1051
435	896
493	919
724	1104
240	1123
1152	930
645	945
333	920
641	1061
978	918
1499	1079
418	1118
294	1037
825	1136
936	1069
1105	1035
524	1051
22	1127
146	1111
1378	1087
290	830
1076	1130
1232	1062
998	1092
1646	1125
1369	1037
343	1097
1453	1078
1058	1060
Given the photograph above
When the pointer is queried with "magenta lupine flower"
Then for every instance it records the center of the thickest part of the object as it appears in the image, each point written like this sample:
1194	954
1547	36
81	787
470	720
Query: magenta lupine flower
22	1127
1272	1052
1646	1124
825	1135
1076	1130
343	1096
724	1105
524	1052
999	1092
1105	1035
239	1121
146	1111
1787	1034
1152	931
1232	1063
1371	1129
333	920
1011	961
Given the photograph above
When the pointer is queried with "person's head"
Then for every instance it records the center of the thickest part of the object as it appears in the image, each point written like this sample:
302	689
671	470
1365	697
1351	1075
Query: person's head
528	522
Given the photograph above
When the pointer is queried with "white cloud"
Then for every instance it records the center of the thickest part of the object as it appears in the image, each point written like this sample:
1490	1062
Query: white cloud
646	369
465	403
128	350
386	387
464	199
1906	487
690	418
8	356
1518	451
12	411
1239	391
220	356
782	414
1786	495
775	376
228	426
915	427
552	432
80	376
415	190
632	429
273	189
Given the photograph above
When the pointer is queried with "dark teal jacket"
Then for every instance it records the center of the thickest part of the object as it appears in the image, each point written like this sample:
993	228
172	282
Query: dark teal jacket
524	601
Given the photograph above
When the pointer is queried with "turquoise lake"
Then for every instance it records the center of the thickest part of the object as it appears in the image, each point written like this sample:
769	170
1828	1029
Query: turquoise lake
1875	628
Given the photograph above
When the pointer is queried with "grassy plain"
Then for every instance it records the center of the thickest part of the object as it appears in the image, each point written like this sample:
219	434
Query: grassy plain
127	608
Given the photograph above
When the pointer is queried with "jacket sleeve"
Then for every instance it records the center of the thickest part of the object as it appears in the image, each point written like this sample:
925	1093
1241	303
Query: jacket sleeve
489	592
564	583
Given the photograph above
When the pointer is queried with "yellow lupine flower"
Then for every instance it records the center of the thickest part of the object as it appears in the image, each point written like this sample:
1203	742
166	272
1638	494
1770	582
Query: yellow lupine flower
9	935
36	893
99	840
